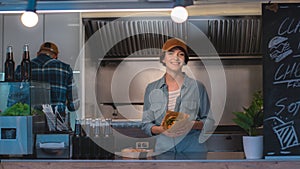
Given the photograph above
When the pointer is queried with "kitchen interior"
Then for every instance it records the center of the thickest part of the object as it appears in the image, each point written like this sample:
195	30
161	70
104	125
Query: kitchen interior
114	54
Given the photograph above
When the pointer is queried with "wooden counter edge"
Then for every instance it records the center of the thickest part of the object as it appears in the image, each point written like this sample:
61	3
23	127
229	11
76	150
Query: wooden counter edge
65	164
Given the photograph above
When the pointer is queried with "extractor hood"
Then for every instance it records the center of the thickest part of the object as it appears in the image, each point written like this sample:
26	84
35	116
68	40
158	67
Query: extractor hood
230	35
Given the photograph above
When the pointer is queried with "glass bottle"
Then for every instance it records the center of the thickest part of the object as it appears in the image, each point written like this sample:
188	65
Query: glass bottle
107	128
87	128
25	64
97	128
77	128
9	65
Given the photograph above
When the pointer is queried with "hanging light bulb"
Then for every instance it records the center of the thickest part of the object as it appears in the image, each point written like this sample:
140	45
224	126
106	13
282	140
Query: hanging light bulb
179	14
29	19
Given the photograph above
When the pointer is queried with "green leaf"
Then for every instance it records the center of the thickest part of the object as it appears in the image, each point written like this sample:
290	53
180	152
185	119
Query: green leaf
242	125
252	117
243	120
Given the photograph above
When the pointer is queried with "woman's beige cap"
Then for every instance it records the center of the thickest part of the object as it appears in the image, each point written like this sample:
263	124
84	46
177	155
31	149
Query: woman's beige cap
174	42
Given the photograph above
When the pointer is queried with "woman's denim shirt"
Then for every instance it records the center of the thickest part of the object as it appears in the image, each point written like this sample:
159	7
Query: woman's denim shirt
193	100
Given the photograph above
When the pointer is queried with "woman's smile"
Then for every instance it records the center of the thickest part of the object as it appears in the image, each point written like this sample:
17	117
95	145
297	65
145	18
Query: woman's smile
174	58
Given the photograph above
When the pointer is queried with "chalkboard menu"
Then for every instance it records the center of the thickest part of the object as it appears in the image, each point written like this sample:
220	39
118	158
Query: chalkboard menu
281	79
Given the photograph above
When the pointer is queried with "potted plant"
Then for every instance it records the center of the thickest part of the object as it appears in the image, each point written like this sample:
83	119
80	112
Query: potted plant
251	119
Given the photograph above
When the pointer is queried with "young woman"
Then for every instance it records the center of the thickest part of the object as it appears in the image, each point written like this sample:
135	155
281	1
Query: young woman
177	92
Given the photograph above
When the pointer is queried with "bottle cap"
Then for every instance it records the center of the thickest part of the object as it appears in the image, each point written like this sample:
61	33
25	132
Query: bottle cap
9	49
26	47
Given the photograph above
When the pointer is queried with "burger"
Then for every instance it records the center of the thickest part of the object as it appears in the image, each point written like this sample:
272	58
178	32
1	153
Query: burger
279	48
172	117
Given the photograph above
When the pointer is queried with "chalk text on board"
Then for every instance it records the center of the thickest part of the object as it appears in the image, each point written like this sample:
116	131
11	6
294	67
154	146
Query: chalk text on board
288	73
291	108
289	26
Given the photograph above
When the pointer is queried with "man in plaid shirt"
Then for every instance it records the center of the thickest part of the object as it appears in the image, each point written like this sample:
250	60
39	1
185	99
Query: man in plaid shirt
47	68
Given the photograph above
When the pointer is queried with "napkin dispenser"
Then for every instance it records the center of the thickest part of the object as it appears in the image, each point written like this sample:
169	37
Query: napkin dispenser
53	146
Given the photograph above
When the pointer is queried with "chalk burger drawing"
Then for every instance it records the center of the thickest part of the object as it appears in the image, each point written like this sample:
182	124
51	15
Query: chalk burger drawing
279	48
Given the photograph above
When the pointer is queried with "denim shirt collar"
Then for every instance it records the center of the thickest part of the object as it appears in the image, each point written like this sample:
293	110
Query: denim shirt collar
162	81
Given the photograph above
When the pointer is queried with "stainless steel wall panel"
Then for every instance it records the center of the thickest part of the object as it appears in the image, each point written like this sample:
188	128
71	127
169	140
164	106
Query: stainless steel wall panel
64	32
114	77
